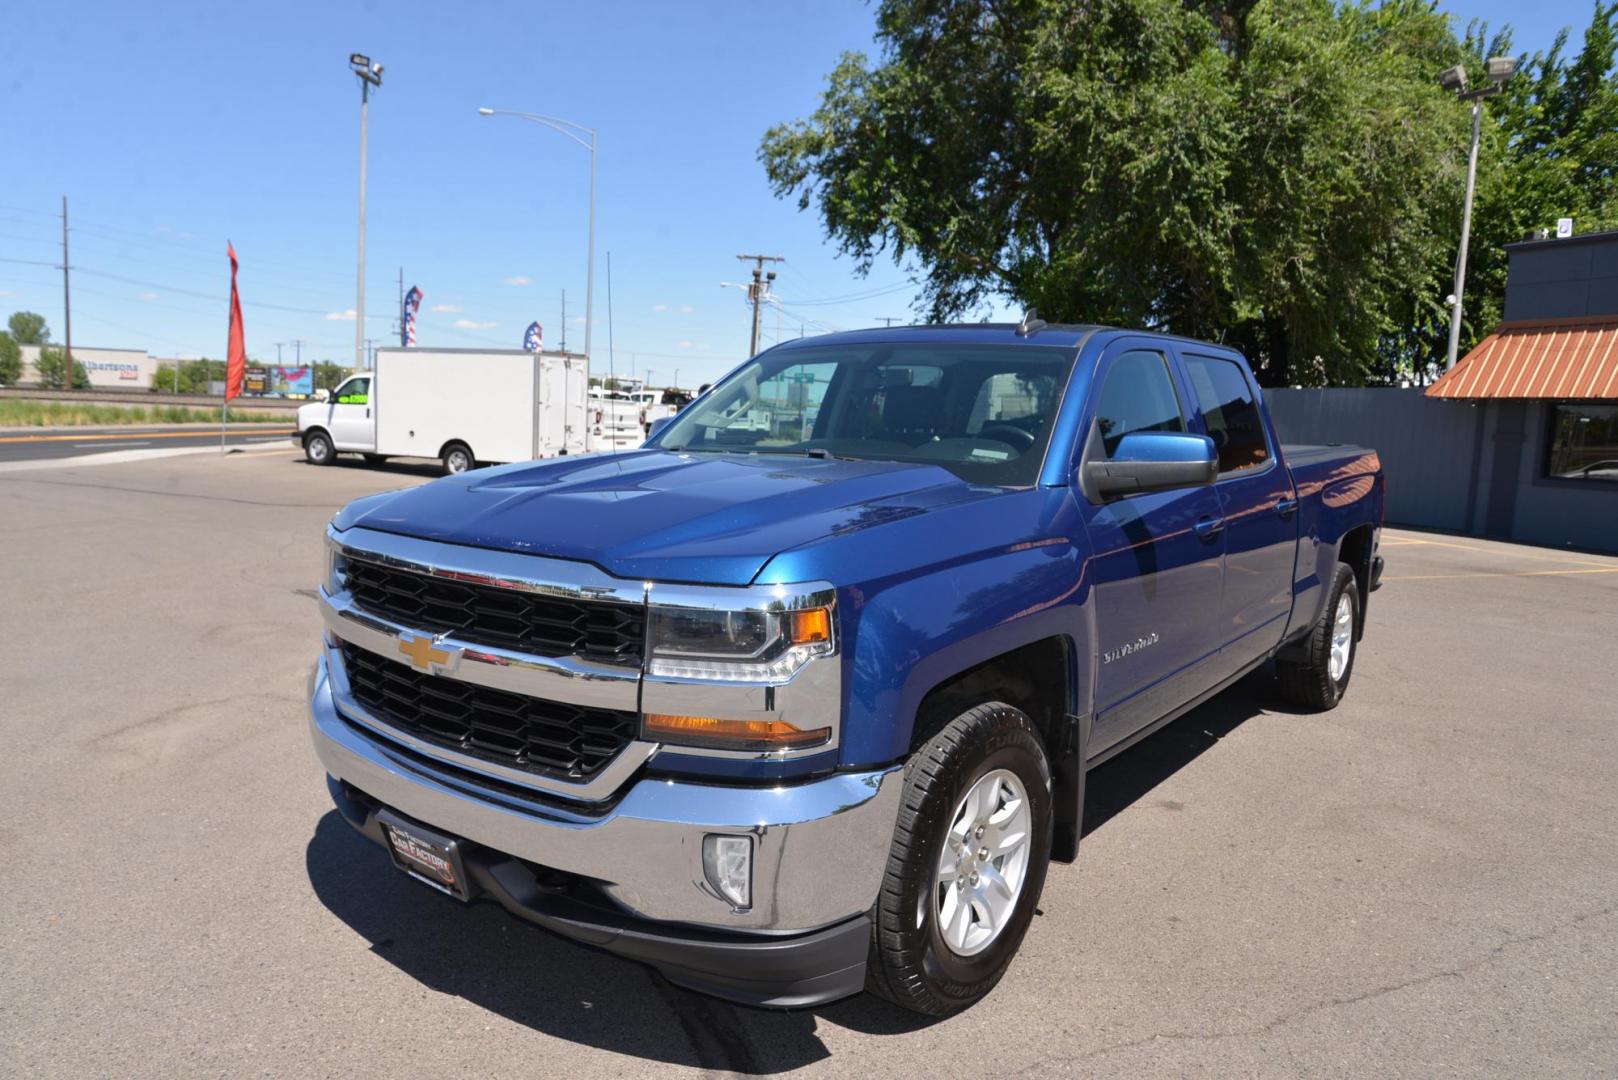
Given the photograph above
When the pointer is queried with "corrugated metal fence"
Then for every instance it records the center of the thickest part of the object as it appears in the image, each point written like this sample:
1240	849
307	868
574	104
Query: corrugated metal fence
1429	448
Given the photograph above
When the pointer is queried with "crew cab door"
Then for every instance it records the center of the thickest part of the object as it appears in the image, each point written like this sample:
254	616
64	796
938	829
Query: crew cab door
1156	562
351	424
1256	501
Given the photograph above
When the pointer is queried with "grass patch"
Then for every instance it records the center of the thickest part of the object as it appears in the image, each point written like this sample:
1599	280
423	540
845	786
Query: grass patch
24	413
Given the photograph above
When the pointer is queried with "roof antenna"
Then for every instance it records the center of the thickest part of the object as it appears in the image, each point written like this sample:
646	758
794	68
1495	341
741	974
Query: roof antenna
1031	323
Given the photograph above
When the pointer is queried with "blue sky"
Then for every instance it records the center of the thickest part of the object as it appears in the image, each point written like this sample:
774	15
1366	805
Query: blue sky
171	127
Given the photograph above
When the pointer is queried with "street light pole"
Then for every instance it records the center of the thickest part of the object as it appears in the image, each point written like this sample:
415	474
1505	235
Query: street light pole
1500	68
572	130
1466	236
370	75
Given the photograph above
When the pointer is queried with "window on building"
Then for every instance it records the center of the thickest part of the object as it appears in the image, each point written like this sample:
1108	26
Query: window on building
1137	396
1584	442
1229	411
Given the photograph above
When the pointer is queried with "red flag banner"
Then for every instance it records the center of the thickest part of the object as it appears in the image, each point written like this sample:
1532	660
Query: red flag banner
236	355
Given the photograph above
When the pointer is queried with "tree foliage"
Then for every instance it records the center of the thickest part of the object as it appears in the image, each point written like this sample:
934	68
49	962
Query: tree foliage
10	360
1285	175
28	328
50	364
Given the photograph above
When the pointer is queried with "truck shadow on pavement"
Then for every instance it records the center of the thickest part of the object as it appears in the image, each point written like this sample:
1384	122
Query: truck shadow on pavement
570	992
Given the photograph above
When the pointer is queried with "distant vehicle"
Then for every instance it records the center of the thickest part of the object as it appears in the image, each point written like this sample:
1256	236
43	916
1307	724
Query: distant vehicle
461	406
618	419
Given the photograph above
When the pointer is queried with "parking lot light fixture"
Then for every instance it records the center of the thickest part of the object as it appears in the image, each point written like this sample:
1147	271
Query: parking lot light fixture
1501	69
577	133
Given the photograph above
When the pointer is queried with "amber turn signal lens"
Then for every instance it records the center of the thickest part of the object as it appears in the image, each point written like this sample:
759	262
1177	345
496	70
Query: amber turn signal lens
811	626
731	734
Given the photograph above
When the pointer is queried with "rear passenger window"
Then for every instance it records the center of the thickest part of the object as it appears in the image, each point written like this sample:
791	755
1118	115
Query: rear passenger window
1230	412
1137	396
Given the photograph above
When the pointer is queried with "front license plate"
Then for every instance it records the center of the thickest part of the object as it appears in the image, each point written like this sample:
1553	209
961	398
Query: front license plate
425	855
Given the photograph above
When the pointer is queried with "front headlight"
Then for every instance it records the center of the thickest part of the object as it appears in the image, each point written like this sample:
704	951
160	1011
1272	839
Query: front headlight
736	646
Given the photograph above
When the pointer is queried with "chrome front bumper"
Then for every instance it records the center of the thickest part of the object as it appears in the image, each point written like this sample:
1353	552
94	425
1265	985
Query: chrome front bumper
819	847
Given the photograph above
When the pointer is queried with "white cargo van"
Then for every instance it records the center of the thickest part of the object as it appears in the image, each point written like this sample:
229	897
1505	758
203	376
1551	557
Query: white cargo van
461	406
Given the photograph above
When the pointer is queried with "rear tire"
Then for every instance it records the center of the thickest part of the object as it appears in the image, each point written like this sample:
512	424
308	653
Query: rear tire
959	889
458	459
317	448
1315	672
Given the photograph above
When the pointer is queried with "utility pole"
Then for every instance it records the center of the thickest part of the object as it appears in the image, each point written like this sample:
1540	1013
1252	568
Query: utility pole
402	341
758	290
564	320
887	320
67	306
370	75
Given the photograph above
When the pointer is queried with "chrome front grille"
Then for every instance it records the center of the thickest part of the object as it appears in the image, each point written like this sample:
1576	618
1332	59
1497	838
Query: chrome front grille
507	729
503	618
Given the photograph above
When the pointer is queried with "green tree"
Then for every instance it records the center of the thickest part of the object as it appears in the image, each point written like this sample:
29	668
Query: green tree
10	360
1280	174
28	328
328	374
50	365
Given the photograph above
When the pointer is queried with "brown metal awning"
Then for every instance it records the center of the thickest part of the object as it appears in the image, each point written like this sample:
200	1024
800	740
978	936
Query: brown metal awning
1558	358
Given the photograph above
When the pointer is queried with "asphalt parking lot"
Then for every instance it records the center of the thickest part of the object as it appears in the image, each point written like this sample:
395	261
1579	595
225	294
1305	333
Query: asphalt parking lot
1423	882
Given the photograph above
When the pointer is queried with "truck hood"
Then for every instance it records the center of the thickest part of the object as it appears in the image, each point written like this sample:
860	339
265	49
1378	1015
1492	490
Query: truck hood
705	518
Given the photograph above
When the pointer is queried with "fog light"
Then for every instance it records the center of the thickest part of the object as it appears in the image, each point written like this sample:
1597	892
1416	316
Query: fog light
727	863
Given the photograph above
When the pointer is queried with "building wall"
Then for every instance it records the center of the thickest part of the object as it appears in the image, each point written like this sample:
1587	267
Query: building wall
1562	513
1467	467
123	369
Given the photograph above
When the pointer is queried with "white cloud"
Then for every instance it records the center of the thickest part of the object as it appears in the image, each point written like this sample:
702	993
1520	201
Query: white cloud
660	308
5	292
146	296
686	309
448	309
468	324
340	316
519	280
685	345
577	320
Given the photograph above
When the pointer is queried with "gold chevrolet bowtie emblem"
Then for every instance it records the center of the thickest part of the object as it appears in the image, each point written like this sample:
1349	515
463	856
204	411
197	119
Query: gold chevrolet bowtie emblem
422	654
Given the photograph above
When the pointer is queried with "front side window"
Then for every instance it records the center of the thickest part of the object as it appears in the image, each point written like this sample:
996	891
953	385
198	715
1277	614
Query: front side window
1584	442
982	412
1230	412
1137	396
354	392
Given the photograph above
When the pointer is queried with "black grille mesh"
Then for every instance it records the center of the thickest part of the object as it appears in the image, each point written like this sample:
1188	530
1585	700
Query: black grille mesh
508	729
502	618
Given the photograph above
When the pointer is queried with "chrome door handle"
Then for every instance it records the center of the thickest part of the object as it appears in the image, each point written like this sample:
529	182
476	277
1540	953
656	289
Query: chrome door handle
1209	527
1284	507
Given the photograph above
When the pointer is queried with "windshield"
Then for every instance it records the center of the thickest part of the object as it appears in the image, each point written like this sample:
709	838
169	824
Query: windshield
981	411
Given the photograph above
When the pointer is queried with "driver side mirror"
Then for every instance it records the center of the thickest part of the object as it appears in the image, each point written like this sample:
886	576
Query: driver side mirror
1147	461
322	394
658	425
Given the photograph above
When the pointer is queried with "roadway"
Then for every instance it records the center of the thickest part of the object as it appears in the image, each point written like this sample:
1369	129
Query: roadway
45	443
1419	883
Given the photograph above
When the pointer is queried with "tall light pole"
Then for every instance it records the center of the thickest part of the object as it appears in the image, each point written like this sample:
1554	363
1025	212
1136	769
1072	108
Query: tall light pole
370	75
1501	68
572	131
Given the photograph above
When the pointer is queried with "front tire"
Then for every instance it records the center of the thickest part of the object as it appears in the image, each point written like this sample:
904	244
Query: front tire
1315	672
967	863
317	448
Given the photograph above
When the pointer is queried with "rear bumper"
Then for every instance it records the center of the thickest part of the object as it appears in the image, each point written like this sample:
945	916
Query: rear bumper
776	971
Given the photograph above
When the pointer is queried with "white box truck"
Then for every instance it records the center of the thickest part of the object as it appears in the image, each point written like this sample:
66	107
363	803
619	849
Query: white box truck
461	406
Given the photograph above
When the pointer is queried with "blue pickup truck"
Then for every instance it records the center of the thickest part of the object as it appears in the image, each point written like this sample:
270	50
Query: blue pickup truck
797	700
